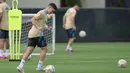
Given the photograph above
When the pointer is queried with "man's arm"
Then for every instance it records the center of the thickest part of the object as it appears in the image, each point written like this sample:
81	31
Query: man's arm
64	21
1	14
36	17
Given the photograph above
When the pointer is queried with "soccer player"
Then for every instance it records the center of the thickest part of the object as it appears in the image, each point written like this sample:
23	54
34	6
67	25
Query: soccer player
4	8
69	25
36	37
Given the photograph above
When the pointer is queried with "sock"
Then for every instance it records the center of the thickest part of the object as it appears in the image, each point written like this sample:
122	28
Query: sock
22	63
68	47
39	64
7	53
1	52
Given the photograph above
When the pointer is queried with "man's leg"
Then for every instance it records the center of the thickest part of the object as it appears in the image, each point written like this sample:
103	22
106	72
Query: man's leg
7	49
28	51
70	42
43	45
42	57
1	48
2	39
71	36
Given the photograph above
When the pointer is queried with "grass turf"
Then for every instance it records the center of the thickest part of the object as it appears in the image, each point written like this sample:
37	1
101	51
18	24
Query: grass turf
87	58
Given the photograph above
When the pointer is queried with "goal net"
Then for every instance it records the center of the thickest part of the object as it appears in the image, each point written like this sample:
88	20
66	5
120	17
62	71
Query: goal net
48	34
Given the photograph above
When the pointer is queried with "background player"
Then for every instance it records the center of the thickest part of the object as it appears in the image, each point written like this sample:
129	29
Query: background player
4	8
36	37
69	25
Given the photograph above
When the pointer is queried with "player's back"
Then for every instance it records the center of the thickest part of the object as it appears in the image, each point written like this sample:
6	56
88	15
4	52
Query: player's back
70	13
4	22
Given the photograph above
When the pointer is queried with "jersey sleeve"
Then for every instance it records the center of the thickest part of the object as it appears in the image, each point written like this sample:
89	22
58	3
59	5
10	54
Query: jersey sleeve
72	13
38	15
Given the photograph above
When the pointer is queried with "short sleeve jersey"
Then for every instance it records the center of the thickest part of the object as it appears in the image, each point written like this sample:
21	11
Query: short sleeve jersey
70	14
4	8
38	24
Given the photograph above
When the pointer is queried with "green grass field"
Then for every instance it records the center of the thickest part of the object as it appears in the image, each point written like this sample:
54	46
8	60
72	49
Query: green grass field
87	58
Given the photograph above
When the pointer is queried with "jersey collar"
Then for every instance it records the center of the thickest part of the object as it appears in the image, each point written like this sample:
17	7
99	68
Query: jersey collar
75	9
45	11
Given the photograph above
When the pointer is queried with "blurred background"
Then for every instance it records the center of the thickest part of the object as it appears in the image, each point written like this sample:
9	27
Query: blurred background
107	24
103	20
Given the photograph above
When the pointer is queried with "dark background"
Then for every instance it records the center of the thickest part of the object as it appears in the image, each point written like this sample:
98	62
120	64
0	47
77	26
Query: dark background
118	3
101	25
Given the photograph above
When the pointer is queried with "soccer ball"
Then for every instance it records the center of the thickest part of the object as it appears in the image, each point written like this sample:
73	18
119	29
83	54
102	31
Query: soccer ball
122	63
49	16
82	33
50	69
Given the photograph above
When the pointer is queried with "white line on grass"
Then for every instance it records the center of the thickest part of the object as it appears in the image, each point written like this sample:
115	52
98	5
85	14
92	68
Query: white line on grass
90	61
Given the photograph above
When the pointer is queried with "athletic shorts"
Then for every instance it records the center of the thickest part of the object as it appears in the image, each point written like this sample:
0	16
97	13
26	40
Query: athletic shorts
70	33
4	34
37	41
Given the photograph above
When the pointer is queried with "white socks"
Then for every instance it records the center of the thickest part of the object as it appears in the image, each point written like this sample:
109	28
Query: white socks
39	64
69	47
7	53
1	52
22	63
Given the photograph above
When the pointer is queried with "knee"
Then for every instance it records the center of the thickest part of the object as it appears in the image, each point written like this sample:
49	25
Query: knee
73	38
44	48
1	41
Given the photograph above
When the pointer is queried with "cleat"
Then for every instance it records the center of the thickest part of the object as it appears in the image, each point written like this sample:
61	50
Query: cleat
6	57
67	50
21	70
41	69
1	57
71	50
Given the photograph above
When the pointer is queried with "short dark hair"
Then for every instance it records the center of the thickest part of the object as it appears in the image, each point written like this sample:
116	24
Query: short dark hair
53	5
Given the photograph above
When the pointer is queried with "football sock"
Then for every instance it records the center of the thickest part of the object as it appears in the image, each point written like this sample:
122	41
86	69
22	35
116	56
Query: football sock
7	53
22	63
1	52
39	64
68	47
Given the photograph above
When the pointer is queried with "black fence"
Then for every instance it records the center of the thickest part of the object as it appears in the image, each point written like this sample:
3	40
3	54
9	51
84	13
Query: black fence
118	3
101	25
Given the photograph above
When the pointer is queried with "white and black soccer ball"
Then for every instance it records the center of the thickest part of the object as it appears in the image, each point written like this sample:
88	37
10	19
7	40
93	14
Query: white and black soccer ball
82	33
50	69
122	63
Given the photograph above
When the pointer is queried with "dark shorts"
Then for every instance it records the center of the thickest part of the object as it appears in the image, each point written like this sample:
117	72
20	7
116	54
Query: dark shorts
4	34
70	33
38	41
